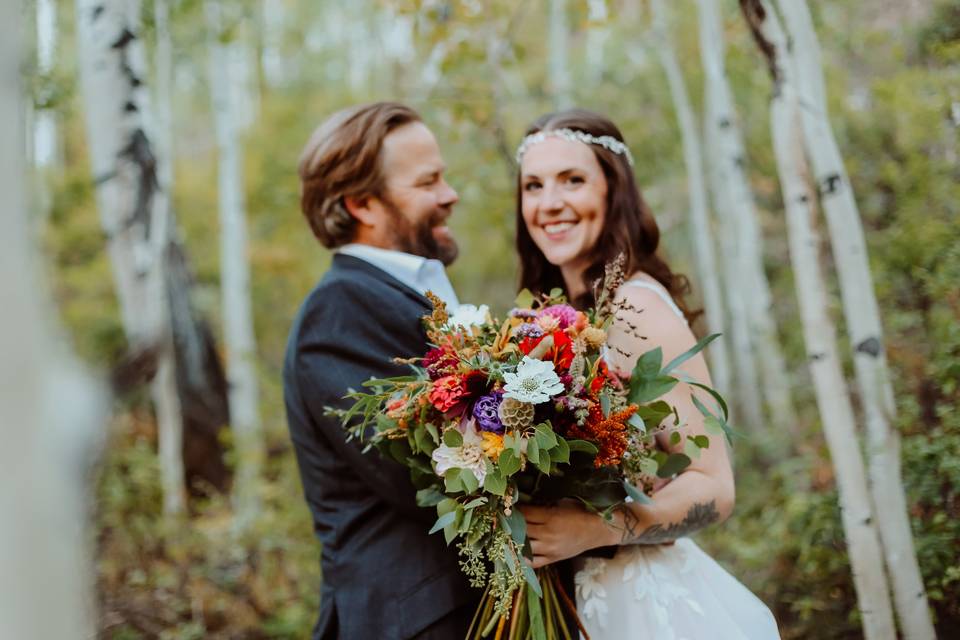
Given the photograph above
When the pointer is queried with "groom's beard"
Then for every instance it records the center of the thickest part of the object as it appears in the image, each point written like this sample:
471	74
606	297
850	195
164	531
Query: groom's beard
418	238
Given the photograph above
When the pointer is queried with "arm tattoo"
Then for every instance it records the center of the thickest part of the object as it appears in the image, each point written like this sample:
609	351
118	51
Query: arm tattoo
699	516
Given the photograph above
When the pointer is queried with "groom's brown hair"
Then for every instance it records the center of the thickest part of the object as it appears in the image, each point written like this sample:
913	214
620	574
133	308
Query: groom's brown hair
343	159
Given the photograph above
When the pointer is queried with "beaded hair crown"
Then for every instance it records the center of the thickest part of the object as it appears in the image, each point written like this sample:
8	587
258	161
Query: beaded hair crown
607	142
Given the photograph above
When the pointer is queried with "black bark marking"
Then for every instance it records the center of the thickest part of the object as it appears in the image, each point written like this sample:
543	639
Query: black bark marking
817	356
870	346
98	11
830	184
139	153
125	38
130	107
724	123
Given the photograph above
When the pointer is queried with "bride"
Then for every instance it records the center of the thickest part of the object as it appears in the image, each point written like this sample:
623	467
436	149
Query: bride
578	208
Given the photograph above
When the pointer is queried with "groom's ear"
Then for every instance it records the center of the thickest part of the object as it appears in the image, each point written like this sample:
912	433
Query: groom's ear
359	207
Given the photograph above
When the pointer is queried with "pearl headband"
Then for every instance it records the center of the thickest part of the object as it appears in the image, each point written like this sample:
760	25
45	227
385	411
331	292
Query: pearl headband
607	142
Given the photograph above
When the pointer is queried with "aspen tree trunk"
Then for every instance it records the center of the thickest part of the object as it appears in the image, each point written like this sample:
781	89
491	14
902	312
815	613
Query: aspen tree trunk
46	142
133	207
235	277
737	214
862	316
833	400
163	68
703	250
560	55
597	34
51	412
272	63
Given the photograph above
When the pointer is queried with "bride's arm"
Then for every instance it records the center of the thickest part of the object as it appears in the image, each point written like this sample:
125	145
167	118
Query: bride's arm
699	496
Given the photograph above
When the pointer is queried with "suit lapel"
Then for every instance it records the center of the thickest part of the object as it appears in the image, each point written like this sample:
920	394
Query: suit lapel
345	264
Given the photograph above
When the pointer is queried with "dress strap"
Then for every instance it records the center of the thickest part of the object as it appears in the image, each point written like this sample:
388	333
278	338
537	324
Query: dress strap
660	291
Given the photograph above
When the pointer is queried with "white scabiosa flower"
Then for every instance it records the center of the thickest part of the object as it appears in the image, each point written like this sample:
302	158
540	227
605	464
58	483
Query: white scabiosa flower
468	315
534	382
468	455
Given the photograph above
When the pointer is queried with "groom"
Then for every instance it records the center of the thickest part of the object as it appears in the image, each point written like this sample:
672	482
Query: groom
372	189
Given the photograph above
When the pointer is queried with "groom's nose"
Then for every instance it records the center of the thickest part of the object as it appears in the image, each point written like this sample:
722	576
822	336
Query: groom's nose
448	195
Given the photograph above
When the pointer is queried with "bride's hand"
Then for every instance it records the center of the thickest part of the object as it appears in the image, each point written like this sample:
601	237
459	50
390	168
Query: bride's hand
564	531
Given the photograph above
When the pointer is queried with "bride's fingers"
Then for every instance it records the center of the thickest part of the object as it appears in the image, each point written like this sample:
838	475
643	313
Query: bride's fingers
534	514
539	561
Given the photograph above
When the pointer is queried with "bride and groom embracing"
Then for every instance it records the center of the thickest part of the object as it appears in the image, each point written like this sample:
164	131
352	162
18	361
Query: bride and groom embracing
373	190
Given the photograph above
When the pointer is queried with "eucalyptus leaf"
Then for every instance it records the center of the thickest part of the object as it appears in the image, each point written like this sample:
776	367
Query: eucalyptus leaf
429	497
524	299
561	452
469	481
674	464
605	404
451	481
533	450
689	353
508	462
647	366
453	438
637	495
443	521
647	390
518	526
582	446
495	483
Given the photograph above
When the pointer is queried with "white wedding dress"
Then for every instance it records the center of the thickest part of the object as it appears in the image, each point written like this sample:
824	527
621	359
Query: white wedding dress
667	592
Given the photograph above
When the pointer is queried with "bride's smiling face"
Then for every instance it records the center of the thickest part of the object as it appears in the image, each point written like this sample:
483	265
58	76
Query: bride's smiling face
563	201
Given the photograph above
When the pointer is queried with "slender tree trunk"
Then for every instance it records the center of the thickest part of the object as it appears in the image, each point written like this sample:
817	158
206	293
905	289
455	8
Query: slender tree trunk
863	323
735	207
51	412
833	400
272	63
597	35
133	207
560	55
703	250
46	141
235	277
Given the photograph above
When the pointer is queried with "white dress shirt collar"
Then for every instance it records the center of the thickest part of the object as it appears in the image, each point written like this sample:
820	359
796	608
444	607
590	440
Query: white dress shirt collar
419	273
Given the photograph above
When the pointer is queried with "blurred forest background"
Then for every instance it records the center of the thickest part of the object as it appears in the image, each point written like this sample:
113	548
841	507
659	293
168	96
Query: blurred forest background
479	72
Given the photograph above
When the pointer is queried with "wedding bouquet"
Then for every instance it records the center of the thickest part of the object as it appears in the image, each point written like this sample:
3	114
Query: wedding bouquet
500	412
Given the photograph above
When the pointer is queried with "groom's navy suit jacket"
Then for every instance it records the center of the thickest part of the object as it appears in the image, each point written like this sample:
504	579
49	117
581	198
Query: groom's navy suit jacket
384	577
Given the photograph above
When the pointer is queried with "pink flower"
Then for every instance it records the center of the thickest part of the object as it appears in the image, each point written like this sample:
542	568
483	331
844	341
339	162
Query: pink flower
564	313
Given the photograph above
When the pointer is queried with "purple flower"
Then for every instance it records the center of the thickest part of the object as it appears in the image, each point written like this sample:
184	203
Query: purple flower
566	314
485	412
528	330
524	314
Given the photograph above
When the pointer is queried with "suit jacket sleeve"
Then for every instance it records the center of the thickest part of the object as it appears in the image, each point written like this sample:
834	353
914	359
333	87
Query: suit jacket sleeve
337	351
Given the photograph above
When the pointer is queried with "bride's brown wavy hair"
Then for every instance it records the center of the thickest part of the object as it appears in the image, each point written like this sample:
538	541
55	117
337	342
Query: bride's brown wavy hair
629	226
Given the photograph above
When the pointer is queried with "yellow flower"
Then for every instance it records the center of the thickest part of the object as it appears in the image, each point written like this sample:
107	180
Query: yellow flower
492	445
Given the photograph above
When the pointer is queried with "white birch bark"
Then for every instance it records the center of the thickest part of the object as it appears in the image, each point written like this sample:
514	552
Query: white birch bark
51	411
863	323
235	278
703	250
819	332
46	141
134	210
163	69
272	62
559	55
747	284
597	35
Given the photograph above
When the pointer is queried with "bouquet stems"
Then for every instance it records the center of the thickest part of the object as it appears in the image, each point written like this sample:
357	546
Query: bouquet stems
530	617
